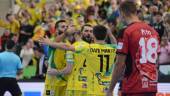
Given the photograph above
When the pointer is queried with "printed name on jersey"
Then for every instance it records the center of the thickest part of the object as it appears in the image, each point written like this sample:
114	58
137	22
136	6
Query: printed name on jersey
98	50
120	45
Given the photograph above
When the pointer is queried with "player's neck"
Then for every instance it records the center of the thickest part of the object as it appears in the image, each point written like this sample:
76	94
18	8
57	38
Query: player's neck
132	19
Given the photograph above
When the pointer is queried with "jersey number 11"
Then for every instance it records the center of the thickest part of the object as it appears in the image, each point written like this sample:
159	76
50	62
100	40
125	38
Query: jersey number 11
102	62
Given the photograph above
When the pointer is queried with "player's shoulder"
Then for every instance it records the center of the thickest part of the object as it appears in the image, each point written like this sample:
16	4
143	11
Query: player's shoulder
128	29
80	46
78	43
111	46
104	45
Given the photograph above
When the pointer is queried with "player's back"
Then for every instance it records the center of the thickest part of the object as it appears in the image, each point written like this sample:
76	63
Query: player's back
78	79
140	43
100	62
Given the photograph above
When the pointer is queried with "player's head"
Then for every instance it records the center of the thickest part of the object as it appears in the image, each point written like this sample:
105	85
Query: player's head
61	26
87	33
100	32
9	17
128	9
10	45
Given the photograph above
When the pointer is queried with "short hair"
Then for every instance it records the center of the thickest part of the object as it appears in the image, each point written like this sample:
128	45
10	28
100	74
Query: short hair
58	22
7	16
10	44
100	32
158	13
39	49
128	8
82	28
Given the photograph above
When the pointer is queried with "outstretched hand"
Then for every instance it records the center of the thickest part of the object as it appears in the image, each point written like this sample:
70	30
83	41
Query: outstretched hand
52	72
45	41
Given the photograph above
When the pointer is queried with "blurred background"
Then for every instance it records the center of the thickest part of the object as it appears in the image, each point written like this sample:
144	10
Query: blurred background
27	20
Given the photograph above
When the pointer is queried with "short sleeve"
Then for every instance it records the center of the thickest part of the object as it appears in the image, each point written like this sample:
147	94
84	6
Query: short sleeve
80	48
70	57
122	46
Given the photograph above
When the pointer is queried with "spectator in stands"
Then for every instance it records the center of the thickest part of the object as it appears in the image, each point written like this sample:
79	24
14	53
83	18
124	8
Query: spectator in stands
164	52
10	67
12	24
27	52
4	38
26	29
167	24
164	61
158	23
41	66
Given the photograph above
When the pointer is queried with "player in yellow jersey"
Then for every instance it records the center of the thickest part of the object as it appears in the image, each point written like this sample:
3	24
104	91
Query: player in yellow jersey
77	82
99	60
55	85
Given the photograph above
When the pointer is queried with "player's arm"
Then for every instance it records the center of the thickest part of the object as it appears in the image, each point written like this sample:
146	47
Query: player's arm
110	35
59	45
117	72
122	50
19	70
67	70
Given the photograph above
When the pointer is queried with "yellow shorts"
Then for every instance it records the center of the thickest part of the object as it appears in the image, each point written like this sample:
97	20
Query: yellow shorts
76	93
55	90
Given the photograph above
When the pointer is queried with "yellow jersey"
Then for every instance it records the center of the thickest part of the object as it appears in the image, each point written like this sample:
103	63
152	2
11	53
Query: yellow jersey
57	60
13	27
78	78
100	62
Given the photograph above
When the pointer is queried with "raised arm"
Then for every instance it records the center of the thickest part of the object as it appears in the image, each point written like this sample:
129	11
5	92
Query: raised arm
59	45
110	35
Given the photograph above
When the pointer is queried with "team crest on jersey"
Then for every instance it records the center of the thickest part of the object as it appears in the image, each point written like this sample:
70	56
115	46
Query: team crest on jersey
120	45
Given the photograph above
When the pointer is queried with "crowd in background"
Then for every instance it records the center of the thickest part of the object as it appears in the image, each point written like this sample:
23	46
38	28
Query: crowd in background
37	18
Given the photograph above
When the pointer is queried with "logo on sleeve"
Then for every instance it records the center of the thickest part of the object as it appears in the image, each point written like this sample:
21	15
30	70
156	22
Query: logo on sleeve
120	45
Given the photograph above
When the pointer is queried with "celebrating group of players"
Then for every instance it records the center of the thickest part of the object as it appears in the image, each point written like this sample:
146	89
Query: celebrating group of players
84	64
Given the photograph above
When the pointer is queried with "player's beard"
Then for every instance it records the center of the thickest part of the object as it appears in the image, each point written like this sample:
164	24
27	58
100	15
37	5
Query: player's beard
71	39
87	38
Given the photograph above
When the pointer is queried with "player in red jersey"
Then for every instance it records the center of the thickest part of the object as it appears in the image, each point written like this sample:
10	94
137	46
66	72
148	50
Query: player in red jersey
137	53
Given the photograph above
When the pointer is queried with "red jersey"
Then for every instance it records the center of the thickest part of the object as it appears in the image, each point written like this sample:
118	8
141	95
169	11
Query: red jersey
139	42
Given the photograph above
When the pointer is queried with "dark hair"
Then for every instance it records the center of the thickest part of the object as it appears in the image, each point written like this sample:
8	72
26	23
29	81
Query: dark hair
158	13
7	16
58	22
100	32
88	25
90	10
39	49
128	8
10	44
